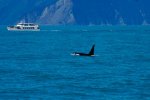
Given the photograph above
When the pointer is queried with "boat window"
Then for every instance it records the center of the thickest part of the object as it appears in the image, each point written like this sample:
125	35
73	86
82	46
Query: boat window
31	24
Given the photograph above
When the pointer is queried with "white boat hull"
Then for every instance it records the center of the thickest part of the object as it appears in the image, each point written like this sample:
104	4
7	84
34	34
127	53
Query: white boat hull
15	29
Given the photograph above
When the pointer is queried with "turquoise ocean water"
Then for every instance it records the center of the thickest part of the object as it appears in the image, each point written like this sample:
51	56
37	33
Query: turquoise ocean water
38	65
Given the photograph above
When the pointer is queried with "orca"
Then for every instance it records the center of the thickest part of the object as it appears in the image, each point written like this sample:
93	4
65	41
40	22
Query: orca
91	53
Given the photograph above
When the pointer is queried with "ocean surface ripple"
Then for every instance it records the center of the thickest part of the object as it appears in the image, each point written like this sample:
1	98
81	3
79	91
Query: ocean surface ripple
38	65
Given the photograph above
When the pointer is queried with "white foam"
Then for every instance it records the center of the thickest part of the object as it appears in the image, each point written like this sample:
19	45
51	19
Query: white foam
73	54
55	30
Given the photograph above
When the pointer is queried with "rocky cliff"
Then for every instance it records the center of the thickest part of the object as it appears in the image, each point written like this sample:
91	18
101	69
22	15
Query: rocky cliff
80	12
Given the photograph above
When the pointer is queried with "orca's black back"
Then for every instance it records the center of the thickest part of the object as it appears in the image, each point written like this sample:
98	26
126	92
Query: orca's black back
92	50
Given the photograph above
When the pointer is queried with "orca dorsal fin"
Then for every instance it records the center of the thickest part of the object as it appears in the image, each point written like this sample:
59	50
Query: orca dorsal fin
92	50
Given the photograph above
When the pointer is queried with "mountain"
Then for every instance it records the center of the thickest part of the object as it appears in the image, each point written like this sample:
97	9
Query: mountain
79	12
113	12
57	13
